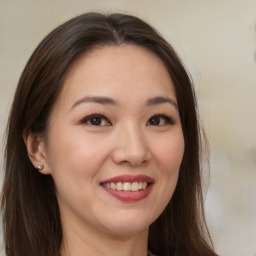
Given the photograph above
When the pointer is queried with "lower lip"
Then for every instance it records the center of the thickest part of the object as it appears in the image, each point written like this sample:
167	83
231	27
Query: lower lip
129	196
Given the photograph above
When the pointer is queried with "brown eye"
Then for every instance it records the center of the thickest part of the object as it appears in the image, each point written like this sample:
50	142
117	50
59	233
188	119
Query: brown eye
159	120
96	120
154	120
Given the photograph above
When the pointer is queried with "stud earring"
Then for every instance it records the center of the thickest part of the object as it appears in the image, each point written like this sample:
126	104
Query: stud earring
40	167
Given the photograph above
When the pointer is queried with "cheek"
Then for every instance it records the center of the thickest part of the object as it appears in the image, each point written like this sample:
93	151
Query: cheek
74	159
170	153
169	156
74	155
71	146
170	166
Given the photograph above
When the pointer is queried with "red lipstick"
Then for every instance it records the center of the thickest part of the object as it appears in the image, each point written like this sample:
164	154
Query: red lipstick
129	196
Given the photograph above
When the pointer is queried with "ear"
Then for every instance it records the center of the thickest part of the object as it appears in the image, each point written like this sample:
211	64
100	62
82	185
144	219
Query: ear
36	151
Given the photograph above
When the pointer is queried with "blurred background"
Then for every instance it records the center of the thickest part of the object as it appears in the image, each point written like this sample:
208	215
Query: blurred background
217	42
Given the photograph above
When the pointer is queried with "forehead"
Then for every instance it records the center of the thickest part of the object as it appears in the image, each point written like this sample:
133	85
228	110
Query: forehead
118	71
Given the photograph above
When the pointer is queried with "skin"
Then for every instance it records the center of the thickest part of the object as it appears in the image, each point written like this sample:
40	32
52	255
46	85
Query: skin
79	154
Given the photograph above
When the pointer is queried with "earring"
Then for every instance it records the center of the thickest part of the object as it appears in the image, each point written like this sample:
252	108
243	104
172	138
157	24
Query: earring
40	167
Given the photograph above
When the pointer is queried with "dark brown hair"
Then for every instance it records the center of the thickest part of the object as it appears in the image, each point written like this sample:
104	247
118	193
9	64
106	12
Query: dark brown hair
31	220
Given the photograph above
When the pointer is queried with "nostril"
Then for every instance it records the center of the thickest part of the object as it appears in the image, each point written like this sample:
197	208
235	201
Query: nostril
131	147
132	158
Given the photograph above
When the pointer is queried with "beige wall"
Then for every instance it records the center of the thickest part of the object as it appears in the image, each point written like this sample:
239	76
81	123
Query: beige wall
217	40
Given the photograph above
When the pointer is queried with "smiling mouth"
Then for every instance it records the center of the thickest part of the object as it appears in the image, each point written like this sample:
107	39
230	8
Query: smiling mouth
127	186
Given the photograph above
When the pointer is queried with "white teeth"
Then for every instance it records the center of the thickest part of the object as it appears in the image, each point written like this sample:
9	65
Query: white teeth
135	186
126	186
112	185
119	186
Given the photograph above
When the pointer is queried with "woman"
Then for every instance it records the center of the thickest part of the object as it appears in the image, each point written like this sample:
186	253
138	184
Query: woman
102	153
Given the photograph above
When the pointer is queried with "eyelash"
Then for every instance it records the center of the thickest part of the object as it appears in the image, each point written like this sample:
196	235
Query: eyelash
88	119
167	120
100	117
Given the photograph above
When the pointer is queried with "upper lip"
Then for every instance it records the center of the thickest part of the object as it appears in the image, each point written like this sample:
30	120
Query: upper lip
129	178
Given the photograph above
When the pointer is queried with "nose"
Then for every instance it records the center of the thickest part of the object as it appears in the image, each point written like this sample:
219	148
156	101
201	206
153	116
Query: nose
130	147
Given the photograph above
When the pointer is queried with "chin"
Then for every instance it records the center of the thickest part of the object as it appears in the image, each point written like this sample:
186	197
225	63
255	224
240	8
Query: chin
129	224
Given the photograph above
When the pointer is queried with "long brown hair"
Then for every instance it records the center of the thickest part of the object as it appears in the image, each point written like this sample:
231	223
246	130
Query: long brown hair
31	218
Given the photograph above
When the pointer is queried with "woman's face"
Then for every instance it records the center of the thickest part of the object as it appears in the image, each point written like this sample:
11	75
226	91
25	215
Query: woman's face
115	143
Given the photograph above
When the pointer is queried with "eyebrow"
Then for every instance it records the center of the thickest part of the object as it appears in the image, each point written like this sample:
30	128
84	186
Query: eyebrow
160	100
109	101
95	99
